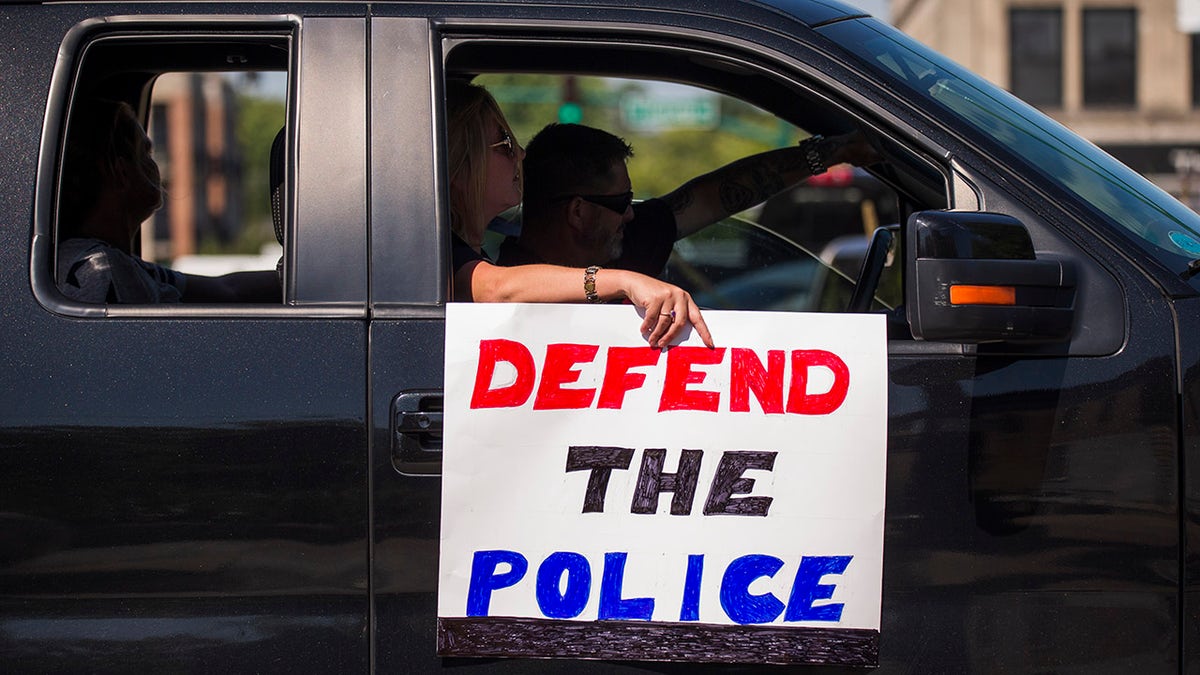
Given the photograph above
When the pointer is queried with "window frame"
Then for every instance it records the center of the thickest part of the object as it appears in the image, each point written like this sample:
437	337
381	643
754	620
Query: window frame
711	54
71	75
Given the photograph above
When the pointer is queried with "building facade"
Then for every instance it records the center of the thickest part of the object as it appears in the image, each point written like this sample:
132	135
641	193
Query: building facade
1121	73
193	118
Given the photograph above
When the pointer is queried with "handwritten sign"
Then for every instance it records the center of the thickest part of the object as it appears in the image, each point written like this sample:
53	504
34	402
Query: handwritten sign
602	499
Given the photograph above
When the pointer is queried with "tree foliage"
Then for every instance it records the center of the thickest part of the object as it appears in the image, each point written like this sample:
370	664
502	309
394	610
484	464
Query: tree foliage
259	120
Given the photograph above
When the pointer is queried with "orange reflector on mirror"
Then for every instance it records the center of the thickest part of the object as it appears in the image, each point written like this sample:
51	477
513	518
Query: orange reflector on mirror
983	295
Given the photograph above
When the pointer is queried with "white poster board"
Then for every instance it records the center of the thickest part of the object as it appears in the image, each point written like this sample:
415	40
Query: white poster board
602	499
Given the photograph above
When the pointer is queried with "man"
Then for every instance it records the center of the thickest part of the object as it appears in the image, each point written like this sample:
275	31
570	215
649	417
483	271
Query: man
111	184
578	203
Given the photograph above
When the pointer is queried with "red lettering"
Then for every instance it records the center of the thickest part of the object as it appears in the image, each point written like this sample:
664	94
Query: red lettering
675	394
514	395
559	370
746	374
800	401
617	378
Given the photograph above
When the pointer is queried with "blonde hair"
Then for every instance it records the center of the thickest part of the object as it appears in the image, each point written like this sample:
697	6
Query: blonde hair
472	115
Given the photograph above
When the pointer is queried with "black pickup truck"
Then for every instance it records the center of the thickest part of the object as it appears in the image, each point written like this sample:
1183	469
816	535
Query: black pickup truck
239	488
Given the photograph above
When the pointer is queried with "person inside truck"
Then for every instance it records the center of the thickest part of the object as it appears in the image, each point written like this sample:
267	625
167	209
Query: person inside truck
579	209
485	180
110	185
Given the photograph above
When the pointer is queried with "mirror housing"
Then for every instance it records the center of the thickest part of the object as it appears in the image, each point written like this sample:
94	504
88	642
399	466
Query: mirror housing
974	277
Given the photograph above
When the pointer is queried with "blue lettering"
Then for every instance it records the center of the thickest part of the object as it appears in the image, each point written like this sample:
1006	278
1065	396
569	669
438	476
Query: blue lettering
484	578
564	585
612	605
690	610
563	605
807	588
739	604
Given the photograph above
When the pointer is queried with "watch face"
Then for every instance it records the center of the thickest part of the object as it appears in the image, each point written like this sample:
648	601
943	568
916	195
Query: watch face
589	284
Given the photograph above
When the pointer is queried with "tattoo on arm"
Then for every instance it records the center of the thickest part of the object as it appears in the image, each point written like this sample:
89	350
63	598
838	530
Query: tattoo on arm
734	196
751	183
680	199
739	185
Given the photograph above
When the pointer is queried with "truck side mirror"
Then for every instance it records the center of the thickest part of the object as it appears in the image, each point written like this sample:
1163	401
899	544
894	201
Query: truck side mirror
974	277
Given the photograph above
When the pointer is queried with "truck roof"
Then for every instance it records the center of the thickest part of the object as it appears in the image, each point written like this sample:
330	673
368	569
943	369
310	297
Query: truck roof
810	12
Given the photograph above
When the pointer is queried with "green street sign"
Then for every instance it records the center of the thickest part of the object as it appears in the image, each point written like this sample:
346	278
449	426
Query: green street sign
644	114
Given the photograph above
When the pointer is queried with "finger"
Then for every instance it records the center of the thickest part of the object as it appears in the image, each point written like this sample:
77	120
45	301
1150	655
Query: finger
651	318
661	328
675	325
648	324
699	325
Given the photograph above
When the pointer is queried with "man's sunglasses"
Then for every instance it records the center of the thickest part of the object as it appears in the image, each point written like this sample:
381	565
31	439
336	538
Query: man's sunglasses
616	203
506	144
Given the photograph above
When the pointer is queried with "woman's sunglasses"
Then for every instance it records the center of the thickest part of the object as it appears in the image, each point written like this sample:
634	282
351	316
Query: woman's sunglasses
618	203
506	144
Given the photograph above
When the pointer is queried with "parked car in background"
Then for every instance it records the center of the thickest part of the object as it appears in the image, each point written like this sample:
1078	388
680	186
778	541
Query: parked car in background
220	488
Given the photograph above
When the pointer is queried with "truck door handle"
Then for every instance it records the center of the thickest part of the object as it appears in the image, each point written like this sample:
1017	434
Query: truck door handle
417	432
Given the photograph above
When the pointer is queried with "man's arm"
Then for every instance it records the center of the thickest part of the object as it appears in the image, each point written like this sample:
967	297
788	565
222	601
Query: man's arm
739	185
257	286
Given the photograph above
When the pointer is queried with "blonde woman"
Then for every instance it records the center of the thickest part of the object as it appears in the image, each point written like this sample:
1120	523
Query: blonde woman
485	180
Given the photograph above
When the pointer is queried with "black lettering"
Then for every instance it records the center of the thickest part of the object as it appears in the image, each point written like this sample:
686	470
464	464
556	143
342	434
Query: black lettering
600	460
652	482
729	481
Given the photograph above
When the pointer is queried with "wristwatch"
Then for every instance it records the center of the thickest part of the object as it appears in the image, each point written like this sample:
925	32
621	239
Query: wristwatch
589	283
814	151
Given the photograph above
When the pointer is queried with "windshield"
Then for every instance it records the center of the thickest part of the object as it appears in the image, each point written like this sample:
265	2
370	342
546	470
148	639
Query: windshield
1058	155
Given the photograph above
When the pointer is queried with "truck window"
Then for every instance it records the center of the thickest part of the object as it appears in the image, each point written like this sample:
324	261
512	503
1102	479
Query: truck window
800	250
172	148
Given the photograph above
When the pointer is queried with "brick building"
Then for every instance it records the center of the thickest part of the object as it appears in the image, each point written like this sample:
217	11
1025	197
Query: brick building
193	127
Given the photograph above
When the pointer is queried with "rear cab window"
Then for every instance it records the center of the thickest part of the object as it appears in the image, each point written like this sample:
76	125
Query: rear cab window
216	108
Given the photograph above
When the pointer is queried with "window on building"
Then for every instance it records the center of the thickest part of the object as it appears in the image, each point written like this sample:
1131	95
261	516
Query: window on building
1036	55
1109	57
1196	70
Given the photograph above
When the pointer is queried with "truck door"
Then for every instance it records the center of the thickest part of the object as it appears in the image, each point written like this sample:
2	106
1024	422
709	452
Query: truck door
1032	493
185	485
1032	499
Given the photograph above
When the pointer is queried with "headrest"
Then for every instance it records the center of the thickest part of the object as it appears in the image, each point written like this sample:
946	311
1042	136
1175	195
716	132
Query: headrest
278	163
